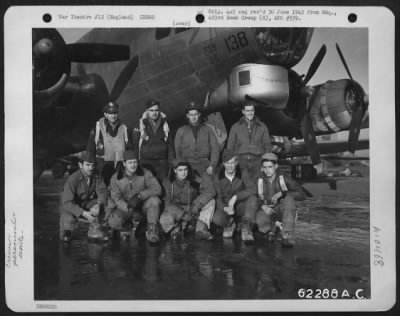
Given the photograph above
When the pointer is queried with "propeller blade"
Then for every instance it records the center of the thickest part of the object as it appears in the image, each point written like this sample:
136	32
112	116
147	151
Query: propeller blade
124	77
315	64
354	129
343	61
97	52
310	139
194	34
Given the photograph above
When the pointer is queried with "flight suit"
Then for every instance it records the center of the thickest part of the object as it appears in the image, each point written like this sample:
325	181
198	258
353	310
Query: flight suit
78	196
249	141
154	145
246	205
109	148
123	188
185	197
285	209
200	151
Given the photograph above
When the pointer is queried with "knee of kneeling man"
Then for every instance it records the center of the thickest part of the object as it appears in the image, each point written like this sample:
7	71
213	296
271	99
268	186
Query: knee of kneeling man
288	201
153	201
166	219
115	221
252	201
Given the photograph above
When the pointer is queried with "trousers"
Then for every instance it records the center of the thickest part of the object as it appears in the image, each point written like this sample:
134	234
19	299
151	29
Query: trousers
250	163
150	208
159	168
245	211
285	212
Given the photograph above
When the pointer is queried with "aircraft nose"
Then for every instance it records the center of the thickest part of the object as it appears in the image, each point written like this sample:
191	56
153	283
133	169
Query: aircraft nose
283	46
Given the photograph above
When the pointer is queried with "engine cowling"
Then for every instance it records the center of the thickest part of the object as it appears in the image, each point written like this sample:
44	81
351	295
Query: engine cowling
265	85
332	107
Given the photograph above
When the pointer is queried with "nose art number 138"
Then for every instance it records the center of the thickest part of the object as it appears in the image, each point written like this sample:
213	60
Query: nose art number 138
234	42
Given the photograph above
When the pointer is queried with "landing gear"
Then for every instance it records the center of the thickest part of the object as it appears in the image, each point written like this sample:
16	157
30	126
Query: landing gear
304	171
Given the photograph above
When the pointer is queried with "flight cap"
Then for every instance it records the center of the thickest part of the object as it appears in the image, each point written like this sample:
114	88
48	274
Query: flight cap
270	157
151	102
179	162
110	108
227	155
88	156
130	155
193	106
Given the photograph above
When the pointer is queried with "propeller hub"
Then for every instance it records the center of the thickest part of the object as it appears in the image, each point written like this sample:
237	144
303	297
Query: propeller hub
50	60
43	47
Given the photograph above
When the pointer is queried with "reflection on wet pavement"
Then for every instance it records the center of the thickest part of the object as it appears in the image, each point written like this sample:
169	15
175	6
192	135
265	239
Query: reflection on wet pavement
332	251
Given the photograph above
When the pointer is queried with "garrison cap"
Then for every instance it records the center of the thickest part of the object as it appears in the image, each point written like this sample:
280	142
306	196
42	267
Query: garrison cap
151	102
179	162
269	157
130	155
193	106
111	107
227	155
88	156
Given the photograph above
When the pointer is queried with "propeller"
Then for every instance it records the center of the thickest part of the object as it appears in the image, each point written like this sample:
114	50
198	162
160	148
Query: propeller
358	107
124	77
194	34
343	61
97	52
306	126
315	64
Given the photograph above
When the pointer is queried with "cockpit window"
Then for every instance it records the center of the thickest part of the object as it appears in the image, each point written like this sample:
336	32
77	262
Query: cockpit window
283	46
182	29
162	32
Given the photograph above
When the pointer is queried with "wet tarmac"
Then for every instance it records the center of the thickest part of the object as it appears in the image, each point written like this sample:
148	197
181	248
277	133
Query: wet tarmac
331	252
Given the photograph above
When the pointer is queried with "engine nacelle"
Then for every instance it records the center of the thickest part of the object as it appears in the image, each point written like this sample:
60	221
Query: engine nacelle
264	85
332	106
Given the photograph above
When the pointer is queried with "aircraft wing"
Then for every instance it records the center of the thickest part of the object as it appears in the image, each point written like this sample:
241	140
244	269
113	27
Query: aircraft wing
299	149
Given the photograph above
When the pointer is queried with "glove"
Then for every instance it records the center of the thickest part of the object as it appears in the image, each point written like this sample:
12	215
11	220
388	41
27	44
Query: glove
88	216
133	202
95	210
186	217
268	210
194	210
275	198
137	216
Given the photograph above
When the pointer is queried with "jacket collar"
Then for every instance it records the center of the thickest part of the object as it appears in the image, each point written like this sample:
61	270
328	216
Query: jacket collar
238	173
256	120
82	177
139	172
277	174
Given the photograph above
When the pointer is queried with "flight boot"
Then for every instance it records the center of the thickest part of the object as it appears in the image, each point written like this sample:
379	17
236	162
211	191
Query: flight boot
176	232
152	233
202	231
95	233
247	234
67	235
270	236
287	240
229	228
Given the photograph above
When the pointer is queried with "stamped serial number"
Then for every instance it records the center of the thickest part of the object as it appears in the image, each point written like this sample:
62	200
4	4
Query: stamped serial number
330	294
